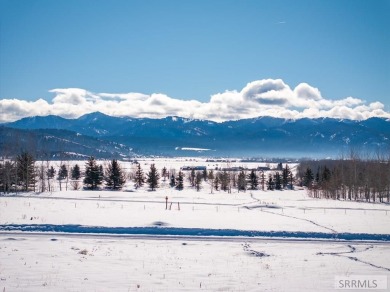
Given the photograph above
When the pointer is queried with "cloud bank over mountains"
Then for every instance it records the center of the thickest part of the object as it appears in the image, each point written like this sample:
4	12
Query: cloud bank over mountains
267	97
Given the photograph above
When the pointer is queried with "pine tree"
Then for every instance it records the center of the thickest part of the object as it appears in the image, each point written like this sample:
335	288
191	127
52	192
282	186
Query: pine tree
278	181
262	177
326	174
75	175
153	178
285	176
50	174
217	181
101	173
241	183
114	177
192	178
172	183
75	172
308	178
253	180
139	178
198	180
291	180
93	174
270	183
25	166
179	181
7	176
317	180
225	180
62	174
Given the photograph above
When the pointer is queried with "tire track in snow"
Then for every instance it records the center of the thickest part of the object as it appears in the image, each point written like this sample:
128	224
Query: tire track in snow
289	216
353	251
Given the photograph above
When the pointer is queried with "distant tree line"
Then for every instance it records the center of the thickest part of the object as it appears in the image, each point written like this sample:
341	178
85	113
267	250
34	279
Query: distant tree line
25	174
347	179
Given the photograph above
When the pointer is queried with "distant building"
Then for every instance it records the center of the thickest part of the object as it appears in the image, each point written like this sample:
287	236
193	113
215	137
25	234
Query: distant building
198	168
236	168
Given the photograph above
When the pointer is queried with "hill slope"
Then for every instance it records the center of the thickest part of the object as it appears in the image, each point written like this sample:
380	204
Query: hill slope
262	136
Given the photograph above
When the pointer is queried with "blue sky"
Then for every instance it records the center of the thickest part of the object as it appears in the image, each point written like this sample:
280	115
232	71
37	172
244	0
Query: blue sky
192	50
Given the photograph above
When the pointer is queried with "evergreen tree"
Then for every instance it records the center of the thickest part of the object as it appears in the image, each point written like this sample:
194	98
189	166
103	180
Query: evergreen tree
278	181
93	174
75	172
153	177
262	177
270	183
225	180
62	174
75	175
253	180
241	182
179	181
172	183
25	167
50	174
308	178
198	180
217	181
7	176
291	180
139	178
285	176
115	177
101	173
326	174
317	180
192	178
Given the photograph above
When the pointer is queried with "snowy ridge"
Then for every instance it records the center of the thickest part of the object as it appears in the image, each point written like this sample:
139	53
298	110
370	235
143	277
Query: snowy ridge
248	137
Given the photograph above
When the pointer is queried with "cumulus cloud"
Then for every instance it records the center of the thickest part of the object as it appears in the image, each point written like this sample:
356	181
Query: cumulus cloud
267	92
307	92
268	97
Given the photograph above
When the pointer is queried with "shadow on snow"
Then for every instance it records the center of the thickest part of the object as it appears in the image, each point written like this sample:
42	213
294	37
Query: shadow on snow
156	230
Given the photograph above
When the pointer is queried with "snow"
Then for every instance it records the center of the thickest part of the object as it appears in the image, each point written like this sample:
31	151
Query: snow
247	241
192	149
253	210
77	263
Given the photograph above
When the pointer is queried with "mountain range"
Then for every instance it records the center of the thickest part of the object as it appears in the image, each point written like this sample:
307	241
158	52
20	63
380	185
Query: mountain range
105	136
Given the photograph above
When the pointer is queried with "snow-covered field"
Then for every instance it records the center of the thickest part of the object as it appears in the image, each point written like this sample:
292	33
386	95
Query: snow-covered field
247	241
79	263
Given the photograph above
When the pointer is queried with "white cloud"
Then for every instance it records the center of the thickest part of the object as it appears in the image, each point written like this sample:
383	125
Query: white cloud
307	92
267	92
268	97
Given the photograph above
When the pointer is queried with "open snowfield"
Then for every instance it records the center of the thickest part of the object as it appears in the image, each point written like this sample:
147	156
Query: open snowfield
79	263
128	241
